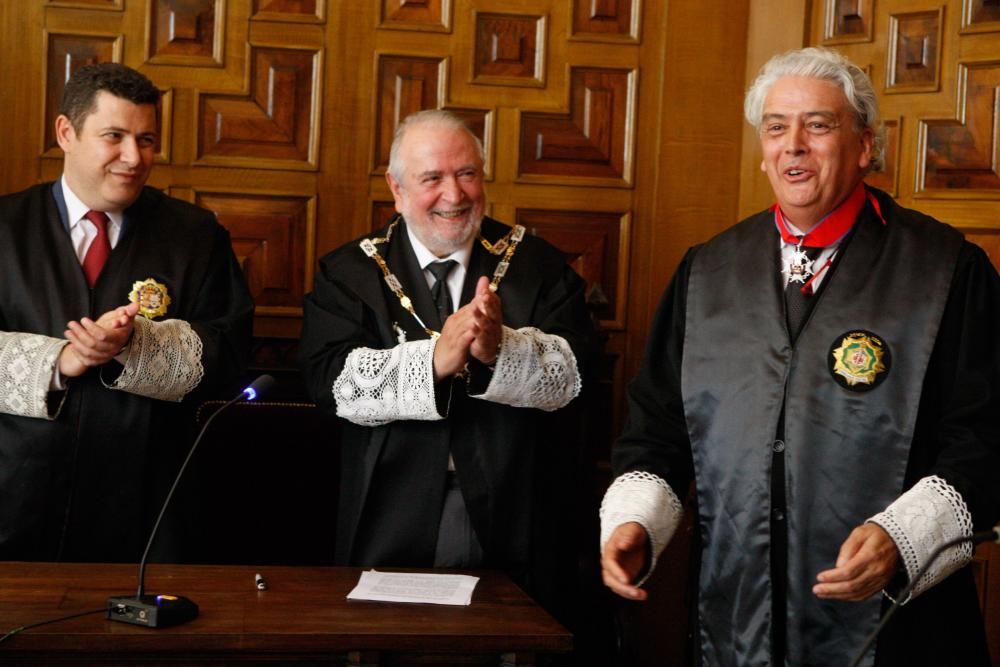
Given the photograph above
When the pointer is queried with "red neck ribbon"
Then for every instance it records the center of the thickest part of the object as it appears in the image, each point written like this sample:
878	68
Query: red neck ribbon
834	226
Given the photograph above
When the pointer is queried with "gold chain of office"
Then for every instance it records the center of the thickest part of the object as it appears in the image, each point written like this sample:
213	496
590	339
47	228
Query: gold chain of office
506	246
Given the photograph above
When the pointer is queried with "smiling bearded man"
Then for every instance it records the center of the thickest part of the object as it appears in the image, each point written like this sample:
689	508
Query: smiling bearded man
454	347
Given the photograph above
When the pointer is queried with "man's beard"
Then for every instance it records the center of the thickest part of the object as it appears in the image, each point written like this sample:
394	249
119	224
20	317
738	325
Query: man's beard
443	245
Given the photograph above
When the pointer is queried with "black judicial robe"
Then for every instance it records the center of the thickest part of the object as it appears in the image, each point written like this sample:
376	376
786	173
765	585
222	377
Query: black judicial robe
845	459
514	465
86	486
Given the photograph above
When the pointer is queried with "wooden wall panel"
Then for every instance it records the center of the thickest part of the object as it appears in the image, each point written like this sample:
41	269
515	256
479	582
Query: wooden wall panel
980	15
433	15
88	4
275	124
593	140
960	154
295	11
510	50
65	54
405	85
187	32
914	44
271	236
606	19
596	246
848	21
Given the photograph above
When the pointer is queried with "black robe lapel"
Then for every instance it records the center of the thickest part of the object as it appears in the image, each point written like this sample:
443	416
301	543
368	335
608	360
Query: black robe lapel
403	262
481	263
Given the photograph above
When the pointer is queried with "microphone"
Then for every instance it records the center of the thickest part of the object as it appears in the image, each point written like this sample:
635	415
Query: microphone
991	535
160	611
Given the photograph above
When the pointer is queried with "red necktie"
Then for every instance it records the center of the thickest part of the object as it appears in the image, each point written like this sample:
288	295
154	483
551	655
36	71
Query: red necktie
99	250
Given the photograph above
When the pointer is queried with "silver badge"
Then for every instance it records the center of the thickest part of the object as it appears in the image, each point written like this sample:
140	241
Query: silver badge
799	267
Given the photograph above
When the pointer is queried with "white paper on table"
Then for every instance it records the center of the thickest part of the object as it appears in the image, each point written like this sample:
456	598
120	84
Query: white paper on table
455	589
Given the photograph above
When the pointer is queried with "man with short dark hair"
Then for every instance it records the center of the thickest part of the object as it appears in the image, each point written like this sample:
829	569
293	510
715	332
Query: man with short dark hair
827	372
454	346
117	305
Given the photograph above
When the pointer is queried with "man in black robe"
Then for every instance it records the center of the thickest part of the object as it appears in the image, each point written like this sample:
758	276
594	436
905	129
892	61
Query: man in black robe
826	372
117	305
459	448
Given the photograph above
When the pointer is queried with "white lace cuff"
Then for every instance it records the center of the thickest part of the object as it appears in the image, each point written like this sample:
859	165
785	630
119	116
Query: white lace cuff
164	360
649	501
926	516
27	362
533	370
380	386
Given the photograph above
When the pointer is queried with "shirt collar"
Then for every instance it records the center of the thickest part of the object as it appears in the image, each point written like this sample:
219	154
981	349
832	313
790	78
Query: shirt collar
76	209
425	256
831	229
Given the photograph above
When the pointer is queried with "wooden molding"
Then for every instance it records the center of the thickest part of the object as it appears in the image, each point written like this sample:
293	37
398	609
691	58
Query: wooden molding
275	125
914	61
186	32
272	237
957	156
849	21
593	142
291	11
606	20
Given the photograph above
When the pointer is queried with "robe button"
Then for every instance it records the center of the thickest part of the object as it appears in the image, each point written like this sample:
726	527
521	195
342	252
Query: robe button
778	514
778	446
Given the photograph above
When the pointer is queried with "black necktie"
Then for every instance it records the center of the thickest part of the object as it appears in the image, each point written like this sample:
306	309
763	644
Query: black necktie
439	290
797	304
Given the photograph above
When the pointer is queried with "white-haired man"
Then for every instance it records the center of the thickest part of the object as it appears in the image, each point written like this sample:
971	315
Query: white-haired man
826	372
452	345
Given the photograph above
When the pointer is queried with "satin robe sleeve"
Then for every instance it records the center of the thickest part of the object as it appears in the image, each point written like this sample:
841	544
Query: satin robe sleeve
958	427
655	438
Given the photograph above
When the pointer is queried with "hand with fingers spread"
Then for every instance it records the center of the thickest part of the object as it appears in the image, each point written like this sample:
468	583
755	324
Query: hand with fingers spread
866	564
623	558
94	343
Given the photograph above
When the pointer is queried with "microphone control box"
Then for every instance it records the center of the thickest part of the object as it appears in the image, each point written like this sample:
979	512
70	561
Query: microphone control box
152	611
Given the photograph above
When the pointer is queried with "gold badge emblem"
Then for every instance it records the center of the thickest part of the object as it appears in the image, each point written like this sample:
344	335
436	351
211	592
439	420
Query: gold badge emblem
151	296
860	361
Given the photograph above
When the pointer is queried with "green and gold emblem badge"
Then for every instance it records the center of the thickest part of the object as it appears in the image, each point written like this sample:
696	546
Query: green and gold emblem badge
859	361
151	296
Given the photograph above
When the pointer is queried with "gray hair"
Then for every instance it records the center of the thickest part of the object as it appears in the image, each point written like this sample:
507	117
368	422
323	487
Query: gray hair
826	65
439	117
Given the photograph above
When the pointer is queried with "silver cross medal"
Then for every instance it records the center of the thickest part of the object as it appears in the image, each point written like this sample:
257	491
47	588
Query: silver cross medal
799	267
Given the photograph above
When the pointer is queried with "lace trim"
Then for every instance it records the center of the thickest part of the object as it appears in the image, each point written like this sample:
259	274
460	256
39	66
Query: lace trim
380	386
534	370
27	362
164	360
929	514
646	499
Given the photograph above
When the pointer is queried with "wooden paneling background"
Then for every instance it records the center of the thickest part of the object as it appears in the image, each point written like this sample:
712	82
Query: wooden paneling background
613	128
278	115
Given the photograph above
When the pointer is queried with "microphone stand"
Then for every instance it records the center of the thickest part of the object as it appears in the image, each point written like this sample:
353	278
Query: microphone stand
991	535
156	611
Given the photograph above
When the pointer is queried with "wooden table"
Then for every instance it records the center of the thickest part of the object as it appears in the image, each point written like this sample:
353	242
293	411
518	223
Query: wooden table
303	616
